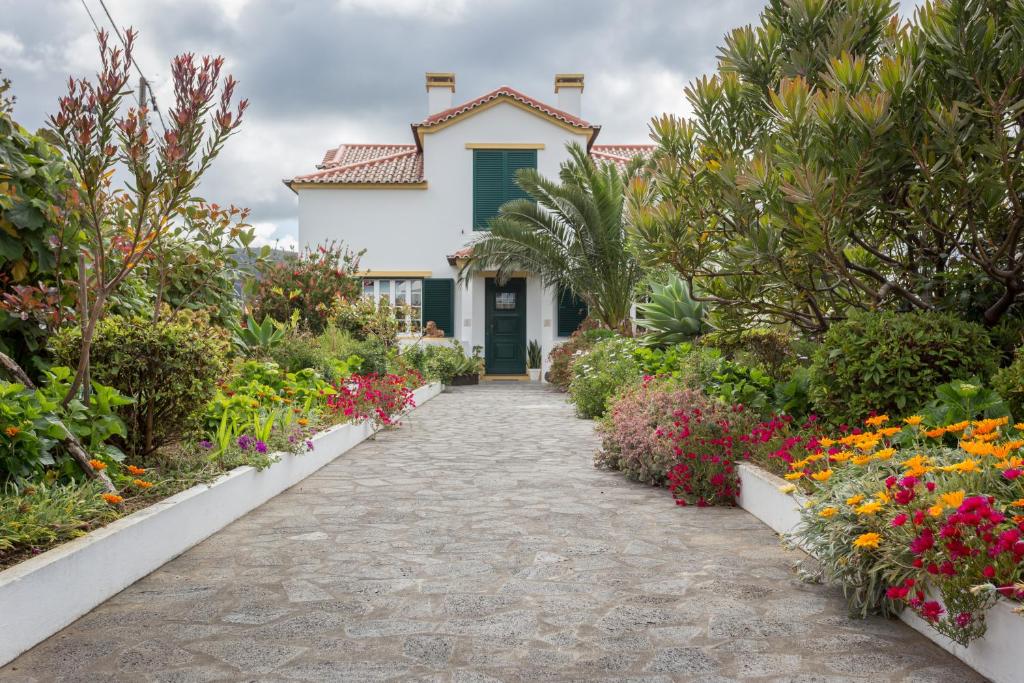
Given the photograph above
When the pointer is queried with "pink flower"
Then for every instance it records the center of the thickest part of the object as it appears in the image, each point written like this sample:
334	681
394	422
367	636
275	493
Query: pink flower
900	519
931	611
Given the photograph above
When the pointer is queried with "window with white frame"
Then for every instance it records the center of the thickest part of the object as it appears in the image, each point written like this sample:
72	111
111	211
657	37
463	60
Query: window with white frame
406	295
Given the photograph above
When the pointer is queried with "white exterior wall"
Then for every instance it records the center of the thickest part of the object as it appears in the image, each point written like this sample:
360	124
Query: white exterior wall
415	230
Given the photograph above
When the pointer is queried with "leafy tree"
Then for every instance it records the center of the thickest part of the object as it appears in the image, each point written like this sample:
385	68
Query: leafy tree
571	233
841	160
37	246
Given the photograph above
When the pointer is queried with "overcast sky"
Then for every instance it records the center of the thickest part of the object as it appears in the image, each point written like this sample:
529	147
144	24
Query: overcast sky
322	72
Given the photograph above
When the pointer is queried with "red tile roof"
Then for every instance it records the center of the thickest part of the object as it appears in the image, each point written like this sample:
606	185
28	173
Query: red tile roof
620	154
347	164
403	164
512	93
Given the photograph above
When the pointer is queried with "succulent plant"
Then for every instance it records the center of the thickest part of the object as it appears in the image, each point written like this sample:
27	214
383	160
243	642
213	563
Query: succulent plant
671	316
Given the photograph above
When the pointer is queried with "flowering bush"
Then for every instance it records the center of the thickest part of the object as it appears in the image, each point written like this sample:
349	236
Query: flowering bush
661	432
602	371
926	517
564	355
312	284
380	398
780	440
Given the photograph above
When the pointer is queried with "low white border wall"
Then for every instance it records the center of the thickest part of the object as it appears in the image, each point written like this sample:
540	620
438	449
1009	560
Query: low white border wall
995	656
64	583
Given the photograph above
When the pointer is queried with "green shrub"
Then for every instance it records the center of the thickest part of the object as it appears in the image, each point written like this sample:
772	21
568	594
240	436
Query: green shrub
564	355
339	345
772	350
441	363
602	371
312	284
1009	383
171	371
892	362
299	350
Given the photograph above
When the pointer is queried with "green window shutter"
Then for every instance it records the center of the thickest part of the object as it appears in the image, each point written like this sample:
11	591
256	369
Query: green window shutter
516	159
439	304
494	180
488	185
572	311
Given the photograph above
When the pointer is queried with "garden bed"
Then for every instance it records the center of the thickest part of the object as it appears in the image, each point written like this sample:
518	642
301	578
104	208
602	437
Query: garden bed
60	585
993	656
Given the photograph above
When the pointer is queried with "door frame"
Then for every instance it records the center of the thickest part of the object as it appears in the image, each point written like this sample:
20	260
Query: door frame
491	287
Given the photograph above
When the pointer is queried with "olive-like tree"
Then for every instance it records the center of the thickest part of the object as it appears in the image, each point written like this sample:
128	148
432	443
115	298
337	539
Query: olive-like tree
570	233
842	158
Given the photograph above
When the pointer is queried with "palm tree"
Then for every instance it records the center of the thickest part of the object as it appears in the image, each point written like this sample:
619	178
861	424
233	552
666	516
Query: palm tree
570	233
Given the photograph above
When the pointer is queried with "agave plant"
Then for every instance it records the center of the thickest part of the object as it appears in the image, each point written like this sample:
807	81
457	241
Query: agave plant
671	316
256	337
534	354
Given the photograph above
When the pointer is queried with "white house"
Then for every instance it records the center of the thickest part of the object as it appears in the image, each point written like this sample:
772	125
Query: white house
415	207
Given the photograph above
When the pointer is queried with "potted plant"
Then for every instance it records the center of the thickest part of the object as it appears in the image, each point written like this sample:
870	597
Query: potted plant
533	359
467	369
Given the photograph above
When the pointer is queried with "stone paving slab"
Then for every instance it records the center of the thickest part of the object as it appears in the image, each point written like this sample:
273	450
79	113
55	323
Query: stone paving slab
478	544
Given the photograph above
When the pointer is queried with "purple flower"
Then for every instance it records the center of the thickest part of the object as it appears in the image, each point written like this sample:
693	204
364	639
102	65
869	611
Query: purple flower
244	442
309	445
261	447
206	443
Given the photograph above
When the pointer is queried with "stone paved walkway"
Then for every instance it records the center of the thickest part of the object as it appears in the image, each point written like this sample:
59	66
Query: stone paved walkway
478	544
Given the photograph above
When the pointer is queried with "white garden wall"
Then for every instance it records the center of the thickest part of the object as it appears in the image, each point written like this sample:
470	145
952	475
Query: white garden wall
995	656
44	594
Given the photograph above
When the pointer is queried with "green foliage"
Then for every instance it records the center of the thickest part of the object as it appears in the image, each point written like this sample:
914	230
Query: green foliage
257	339
41	514
671	315
170	369
365	319
299	350
37	244
771	349
259	399
442	363
534	355
34	424
601	372
892	362
570	233
737	384
1009	382
839	159
338	344
964	400
793	395
311	284
564	355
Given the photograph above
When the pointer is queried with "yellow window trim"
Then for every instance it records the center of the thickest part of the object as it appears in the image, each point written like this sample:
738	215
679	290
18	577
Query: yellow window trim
395	273
504	145
502	99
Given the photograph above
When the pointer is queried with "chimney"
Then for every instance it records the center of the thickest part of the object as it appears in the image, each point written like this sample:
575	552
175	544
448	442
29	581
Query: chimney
569	88
440	88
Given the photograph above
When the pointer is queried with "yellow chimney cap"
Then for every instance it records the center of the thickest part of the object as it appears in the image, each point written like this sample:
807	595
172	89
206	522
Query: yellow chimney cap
440	80
568	81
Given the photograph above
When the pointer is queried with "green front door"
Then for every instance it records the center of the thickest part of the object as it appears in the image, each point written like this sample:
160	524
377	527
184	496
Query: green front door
505	341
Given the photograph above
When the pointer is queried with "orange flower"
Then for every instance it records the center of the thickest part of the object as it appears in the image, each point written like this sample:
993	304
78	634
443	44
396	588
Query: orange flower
913	420
142	484
884	454
97	464
1019	503
935	433
822	476
112	498
953	499
957	427
868	508
827	443
868	540
877	420
303	421
12	431
135	470
935	510
828	512
853	500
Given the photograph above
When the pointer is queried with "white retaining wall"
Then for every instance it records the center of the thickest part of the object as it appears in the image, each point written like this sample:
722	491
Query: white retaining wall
42	595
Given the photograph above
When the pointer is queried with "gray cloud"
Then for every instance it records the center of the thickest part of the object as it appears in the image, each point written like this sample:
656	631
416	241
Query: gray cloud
321	72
